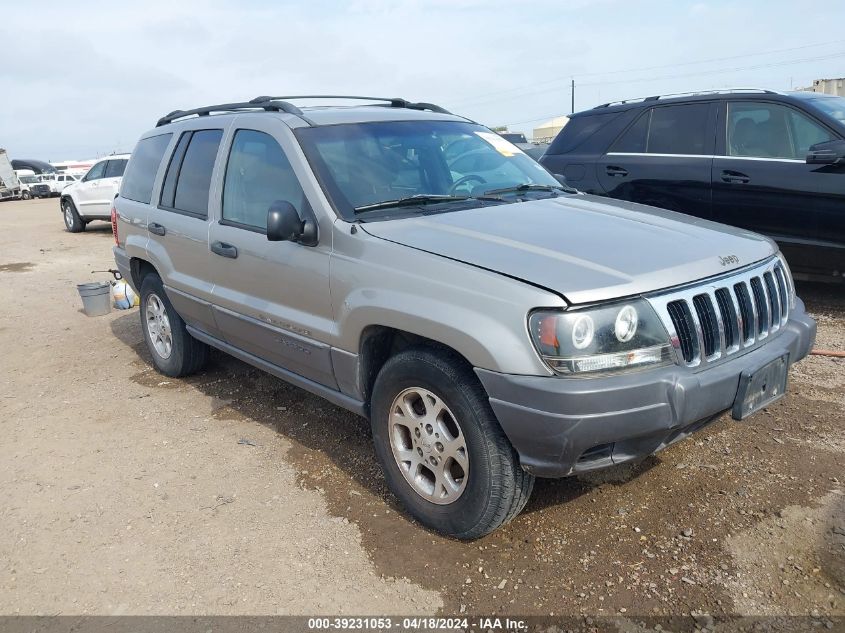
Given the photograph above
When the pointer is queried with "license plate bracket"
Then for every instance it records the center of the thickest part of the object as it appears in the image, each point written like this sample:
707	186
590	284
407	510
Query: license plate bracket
758	388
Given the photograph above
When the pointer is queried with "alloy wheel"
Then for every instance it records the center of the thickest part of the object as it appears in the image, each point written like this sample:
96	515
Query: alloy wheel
158	326
428	445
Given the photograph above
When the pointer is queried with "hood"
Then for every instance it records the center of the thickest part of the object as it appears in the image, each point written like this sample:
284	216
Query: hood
585	248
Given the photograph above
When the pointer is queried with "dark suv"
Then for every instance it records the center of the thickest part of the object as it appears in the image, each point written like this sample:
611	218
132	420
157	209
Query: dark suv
765	161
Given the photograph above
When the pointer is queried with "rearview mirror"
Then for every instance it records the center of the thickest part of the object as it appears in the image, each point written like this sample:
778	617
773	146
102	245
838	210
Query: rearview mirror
827	153
285	225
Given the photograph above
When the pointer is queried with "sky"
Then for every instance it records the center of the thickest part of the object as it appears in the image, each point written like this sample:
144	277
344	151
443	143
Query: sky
84	79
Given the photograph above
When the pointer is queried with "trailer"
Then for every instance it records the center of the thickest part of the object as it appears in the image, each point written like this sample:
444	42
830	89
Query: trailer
10	186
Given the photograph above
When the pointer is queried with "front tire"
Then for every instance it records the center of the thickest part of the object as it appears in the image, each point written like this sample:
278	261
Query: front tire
443	453
73	222
25	195
174	351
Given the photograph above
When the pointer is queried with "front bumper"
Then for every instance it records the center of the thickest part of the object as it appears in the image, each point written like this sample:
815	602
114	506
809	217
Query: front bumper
562	426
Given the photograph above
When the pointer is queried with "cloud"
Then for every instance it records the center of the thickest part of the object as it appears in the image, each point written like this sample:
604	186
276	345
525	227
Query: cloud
92	78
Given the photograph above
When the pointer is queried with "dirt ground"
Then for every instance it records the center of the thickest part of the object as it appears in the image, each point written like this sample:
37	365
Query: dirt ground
231	492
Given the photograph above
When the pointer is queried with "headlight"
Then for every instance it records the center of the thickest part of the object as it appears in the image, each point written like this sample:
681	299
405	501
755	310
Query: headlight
609	338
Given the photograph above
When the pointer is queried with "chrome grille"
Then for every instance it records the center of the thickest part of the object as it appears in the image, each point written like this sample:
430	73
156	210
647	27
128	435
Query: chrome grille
719	317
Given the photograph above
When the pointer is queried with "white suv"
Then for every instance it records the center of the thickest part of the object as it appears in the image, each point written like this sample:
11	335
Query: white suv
91	197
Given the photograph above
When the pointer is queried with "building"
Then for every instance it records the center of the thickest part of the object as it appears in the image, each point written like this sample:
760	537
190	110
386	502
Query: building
828	86
546	132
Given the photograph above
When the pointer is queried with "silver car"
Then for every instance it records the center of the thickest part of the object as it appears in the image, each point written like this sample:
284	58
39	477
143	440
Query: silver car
416	268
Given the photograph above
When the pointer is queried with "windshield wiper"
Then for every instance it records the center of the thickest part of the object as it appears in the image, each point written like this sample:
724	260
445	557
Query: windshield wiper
529	187
419	199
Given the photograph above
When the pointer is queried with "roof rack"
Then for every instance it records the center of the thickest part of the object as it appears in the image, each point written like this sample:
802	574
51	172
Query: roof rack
686	94
393	102
270	105
280	104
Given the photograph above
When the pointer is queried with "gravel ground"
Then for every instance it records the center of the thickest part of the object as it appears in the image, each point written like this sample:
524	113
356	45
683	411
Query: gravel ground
232	492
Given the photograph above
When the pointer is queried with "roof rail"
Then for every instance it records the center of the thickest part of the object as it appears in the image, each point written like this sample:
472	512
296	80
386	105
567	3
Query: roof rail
686	94
394	102
270	105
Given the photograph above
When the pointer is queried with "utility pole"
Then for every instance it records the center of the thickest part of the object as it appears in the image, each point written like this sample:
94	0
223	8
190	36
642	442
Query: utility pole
573	95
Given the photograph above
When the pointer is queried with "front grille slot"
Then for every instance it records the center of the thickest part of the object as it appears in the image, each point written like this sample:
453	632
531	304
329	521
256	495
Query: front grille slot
746	310
782	292
728	312
709	325
762	306
716	318
681	317
774	301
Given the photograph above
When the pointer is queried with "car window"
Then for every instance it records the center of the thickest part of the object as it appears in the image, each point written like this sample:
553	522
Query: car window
115	168
679	129
192	172
634	139
96	172
257	174
365	164
141	171
805	133
770	130
578	129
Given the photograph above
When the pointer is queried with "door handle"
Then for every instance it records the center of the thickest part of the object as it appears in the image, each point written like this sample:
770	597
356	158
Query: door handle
618	172
729	175
224	250
155	227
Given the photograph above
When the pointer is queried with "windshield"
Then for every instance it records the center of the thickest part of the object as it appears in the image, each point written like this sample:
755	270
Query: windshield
834	106
28	180
366	164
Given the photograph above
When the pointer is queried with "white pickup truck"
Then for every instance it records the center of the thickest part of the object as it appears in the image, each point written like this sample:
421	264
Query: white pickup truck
10	187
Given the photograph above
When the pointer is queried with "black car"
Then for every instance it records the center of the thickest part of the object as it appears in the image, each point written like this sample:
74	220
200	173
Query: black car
770	162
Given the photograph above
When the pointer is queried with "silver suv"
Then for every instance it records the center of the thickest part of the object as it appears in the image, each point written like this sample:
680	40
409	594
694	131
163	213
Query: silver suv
416	268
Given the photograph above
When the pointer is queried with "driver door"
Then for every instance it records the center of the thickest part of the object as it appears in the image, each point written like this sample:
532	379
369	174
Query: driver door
271	299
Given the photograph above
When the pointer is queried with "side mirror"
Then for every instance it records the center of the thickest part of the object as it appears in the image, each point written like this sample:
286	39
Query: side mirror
285	225
827	153
561	179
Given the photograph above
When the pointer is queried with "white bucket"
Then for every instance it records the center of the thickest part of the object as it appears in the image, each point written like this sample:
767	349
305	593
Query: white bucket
96	297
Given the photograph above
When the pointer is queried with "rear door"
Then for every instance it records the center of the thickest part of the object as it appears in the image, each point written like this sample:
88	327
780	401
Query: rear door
271	298
178	225
664	159
111	179
761	180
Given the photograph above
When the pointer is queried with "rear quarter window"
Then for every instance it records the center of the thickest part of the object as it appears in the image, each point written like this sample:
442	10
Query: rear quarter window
578	130
141	172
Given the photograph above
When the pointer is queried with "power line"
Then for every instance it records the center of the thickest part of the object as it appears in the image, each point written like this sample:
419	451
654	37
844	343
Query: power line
707	72
718	71
646	68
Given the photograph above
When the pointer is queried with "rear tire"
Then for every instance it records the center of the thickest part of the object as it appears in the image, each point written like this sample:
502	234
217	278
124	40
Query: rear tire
174	351
73	222
427	407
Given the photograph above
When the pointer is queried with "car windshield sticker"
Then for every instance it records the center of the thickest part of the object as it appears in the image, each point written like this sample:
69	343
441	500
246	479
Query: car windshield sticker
504	147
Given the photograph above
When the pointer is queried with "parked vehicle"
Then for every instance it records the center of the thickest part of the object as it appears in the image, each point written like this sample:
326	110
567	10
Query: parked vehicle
49	185
36	166
26	177
9	185
756	159
414	267
90	198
